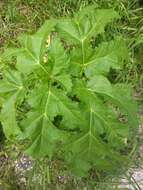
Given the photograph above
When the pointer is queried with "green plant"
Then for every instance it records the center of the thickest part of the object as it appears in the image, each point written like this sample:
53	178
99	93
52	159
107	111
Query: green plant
56	92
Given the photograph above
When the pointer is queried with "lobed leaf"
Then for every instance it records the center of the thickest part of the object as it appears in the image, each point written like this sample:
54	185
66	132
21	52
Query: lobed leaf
12	91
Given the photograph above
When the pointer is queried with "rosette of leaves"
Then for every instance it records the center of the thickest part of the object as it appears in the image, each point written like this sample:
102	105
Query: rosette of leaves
56	93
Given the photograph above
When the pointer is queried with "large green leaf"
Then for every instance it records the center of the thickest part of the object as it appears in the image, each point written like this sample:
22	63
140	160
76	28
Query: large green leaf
103	131
99	60
119	94
105	116
107	55
85	25
47	103
30	54
89	149
34	49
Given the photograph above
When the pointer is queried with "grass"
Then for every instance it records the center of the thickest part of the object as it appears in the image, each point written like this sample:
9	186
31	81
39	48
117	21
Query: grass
133	31
20	16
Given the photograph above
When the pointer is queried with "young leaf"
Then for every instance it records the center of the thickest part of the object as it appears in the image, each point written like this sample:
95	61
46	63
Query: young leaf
58	64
